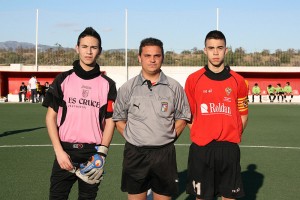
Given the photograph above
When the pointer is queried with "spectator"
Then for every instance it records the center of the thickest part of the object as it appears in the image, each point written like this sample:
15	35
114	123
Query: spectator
256	92
39	92
279	92
46	87
271	93
288	92
23	91
32	85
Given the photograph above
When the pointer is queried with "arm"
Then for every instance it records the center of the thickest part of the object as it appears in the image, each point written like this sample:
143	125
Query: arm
121	127
190	123
62	157
244	121
179	126
108	132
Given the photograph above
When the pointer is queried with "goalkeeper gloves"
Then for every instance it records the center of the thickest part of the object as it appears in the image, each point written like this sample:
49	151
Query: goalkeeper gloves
91	171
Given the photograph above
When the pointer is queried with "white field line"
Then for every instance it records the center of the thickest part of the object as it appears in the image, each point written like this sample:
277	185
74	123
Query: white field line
242	146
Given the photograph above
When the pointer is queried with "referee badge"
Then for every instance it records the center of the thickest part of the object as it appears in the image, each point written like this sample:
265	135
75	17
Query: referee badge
164	106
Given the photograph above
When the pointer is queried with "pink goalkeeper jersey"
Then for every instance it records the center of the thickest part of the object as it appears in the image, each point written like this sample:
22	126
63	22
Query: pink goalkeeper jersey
82	105
84	98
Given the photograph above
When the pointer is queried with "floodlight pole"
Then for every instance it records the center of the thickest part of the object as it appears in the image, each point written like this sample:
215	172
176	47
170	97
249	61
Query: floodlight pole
126	43
217	18
36	39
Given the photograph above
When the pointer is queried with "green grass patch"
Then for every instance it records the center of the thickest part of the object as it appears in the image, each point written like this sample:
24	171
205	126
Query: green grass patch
270	168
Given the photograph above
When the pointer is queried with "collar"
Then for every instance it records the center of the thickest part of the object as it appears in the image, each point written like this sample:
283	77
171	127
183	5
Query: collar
223	75
162	80
86	75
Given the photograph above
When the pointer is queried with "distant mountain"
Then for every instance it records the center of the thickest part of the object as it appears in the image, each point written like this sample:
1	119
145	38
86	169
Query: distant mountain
13	45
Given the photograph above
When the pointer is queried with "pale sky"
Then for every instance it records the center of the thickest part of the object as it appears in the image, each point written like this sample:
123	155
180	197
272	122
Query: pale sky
182	25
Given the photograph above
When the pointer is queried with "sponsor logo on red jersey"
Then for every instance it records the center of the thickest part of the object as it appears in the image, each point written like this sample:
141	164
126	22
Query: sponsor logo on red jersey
212	108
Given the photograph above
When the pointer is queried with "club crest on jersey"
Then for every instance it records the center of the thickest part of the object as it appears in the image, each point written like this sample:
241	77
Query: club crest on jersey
164	106
85	93
228	90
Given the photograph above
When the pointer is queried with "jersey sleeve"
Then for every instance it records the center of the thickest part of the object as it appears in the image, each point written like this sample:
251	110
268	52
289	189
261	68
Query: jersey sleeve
189	90
182	108
54	96
243	97
112	95
121	105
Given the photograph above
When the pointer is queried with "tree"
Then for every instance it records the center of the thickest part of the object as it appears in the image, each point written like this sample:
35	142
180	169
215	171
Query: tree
265	52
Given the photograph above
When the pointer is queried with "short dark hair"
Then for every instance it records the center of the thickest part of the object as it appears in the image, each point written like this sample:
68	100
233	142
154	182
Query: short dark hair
215	34
151	42
89	31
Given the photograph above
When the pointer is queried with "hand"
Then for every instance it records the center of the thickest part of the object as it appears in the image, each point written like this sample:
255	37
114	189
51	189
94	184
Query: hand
91	171
94	179
64	161
95	162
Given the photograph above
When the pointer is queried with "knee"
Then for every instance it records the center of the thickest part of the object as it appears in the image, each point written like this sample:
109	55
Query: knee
87	195
58	196
87	191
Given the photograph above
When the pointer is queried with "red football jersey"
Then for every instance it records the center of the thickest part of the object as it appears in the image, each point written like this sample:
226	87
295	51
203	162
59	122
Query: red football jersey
217	101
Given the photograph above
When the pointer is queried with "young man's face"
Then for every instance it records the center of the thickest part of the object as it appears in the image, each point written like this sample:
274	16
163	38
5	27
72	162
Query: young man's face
215	50
88	50
151	59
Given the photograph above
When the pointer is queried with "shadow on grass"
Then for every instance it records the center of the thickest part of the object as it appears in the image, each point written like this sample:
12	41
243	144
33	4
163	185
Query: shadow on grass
252	181
182	186
8	133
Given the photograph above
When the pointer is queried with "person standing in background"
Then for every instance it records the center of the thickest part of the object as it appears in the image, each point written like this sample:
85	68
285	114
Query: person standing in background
32	85
39	91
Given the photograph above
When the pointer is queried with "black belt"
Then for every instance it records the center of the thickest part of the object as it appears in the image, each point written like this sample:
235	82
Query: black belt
150	147
67	145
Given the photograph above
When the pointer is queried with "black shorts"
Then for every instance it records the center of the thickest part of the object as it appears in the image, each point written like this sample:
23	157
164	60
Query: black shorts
214	170
150	168
62	180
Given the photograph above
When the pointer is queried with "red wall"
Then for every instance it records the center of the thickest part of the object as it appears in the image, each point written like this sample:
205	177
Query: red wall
11	81
14	83
265	79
